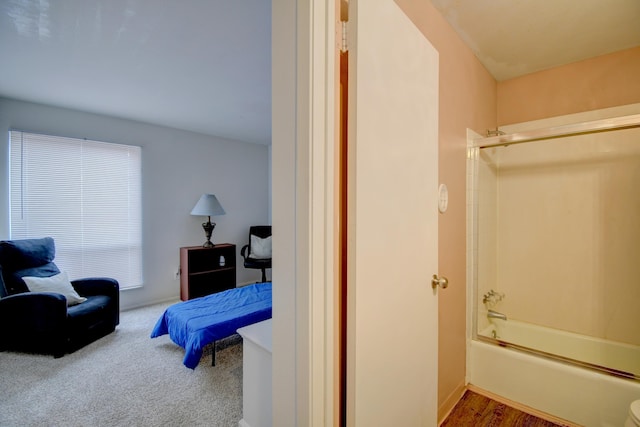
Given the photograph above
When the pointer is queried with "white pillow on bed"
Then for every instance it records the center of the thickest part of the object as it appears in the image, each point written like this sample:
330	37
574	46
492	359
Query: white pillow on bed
59	284
260	248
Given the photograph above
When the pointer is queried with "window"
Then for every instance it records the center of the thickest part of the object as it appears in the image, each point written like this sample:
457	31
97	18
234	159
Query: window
84	194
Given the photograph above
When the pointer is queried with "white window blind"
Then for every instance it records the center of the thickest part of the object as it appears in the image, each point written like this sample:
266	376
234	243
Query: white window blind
84	194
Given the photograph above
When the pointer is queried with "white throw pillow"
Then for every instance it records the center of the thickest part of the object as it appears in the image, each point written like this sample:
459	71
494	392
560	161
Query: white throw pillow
59	284
260	248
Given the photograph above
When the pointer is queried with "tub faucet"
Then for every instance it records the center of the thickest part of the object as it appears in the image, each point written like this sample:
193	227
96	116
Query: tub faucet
492	297
492	314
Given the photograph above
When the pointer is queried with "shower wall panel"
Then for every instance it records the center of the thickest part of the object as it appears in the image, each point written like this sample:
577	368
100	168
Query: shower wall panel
486	255
567	233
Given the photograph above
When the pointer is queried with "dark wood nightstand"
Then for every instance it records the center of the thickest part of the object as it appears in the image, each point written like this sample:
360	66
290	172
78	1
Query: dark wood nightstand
205	271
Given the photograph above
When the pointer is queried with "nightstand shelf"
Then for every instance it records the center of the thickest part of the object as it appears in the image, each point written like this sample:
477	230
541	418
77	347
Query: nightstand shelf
205	271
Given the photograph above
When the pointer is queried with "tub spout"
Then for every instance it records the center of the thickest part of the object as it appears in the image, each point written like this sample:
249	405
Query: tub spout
492	314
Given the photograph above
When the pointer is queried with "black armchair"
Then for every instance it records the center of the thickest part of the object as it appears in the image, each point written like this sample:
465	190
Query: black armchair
49	322
257	254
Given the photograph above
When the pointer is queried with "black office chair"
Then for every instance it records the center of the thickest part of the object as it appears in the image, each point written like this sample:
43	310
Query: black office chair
257	254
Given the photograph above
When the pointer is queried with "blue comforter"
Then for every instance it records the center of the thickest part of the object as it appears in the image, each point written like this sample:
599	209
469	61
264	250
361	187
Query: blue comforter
195	323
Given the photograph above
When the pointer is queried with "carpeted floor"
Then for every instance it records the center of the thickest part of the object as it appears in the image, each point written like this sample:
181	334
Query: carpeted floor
475	410
123	379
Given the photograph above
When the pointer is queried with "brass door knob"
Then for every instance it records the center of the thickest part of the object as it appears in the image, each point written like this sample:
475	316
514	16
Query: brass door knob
436	281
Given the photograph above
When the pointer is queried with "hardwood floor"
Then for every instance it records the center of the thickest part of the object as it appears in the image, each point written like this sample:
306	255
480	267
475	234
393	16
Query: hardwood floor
475	410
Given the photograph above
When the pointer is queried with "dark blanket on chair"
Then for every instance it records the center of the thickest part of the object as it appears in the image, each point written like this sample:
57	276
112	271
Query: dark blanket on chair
195	323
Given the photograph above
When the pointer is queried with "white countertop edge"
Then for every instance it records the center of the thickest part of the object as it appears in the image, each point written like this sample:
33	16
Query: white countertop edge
258	333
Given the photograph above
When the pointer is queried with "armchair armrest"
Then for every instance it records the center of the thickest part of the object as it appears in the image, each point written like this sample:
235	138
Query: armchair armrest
245	251
33	310
34	320
97	286
101	286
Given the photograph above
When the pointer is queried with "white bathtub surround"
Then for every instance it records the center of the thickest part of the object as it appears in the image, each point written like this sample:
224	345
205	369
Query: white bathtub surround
615	358
558	230
574	299
576	394
256	376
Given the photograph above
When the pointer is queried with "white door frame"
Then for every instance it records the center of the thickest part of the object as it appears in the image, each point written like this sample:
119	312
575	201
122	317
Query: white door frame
303	174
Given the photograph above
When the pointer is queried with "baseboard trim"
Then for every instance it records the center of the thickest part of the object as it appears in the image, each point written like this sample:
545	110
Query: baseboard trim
450	402
172	299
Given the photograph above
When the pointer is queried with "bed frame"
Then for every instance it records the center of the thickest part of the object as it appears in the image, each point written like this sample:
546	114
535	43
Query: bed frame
202	321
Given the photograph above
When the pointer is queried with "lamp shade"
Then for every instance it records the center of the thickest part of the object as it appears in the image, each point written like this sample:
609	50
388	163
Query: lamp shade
208	205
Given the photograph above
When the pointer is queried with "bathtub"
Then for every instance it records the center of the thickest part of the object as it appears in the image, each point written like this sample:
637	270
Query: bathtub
614	358
576	392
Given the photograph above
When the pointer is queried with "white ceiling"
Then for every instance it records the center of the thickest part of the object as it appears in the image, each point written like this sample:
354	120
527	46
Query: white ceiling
516	37
198	65
205	65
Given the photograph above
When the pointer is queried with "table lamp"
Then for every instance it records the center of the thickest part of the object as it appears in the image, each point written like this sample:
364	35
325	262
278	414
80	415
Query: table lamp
208	206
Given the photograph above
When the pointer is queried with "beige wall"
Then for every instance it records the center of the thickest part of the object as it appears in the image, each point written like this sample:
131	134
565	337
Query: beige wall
601	82
467	99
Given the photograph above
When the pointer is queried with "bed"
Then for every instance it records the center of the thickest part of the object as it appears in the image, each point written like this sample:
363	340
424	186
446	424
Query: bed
198	322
